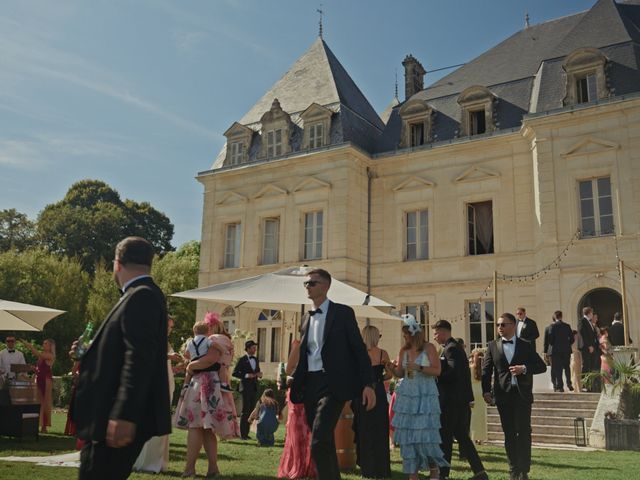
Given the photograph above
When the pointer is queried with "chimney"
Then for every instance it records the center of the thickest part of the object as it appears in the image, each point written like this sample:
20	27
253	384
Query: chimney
413	76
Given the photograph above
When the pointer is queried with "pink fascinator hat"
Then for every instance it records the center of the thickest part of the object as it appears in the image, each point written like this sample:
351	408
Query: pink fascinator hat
212	318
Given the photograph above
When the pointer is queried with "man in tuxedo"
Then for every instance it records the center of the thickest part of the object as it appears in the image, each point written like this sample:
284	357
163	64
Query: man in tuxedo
10	356
590	344
558	339
616	331
512	362
334	368
248	371
527	329
456	396
122	398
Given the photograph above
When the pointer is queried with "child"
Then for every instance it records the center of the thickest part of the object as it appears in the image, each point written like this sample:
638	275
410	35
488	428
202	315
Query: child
222	341
197	346
267	413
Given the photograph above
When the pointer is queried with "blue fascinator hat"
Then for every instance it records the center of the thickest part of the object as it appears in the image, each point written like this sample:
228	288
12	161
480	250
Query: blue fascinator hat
411	323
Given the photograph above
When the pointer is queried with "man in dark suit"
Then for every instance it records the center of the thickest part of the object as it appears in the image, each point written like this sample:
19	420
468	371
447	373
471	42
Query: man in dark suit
512	362
334	368
590	344
456	396
122	398
616	331
248	371
558	339
526	328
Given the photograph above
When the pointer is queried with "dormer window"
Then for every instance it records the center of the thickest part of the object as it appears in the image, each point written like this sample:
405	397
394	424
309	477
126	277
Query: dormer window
586	77
274	143
417	119
276	131
317	123
477	106
238	143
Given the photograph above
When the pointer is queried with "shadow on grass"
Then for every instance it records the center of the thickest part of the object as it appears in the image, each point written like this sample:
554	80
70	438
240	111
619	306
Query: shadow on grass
47	444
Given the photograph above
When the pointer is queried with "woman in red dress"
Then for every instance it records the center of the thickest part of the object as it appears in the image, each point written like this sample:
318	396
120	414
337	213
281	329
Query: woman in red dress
44	379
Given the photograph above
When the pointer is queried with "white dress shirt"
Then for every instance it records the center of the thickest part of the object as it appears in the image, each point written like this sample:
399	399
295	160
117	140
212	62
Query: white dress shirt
315	337
519	327
7	359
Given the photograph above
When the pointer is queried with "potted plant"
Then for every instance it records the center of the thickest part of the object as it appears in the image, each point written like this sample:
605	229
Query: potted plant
622	428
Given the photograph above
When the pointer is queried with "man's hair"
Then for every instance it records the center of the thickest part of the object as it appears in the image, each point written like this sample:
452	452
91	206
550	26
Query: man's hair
9	336
508	316
371	336
134	250
322	273
557	315
524	310
617	316
586	311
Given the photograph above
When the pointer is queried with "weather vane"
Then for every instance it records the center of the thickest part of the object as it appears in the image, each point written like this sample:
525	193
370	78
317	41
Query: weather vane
321	12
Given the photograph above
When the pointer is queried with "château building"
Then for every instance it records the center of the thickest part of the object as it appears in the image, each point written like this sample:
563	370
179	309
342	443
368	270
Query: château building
525	161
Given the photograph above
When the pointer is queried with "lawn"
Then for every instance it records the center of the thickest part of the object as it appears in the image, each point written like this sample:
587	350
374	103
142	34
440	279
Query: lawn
243	460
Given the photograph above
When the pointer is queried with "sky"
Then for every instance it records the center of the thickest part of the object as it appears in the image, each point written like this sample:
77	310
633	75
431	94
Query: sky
139	93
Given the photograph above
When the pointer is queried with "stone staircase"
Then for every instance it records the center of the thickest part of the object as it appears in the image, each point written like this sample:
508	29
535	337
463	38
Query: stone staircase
551	417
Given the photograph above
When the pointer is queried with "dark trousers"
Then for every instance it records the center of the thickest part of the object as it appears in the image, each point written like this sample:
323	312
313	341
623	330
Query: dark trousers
323	411
454	420
591	363
515	417
100	462
249	398
560	362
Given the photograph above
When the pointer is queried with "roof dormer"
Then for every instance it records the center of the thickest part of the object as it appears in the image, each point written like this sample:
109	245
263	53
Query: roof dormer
477	115
586	79
238	144
317	124
417	123
276	131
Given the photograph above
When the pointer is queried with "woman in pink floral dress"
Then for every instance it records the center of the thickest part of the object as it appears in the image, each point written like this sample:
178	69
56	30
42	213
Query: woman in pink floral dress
202	411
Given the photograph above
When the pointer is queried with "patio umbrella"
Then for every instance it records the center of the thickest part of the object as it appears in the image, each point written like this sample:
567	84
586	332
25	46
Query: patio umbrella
283	290
22	316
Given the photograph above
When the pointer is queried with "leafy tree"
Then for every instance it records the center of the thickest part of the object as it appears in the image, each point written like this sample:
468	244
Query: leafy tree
41	278
16	230
92	218
103	295
175	272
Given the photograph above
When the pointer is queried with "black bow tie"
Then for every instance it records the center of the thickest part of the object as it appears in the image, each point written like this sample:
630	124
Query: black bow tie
11	351
251	357
507	341
313	312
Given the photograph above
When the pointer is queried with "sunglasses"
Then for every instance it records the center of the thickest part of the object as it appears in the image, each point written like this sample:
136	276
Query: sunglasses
504	324
311	283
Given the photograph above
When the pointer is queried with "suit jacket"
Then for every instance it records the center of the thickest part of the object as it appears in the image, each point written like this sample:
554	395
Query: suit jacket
588	334
123	374
530	331
344	356
558	338
616	334
242	368
495	366
454	382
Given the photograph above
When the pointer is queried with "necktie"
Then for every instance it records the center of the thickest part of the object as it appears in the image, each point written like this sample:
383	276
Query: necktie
313	312
507	341
252	357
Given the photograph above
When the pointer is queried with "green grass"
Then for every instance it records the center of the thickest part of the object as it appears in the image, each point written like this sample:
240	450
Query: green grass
244	460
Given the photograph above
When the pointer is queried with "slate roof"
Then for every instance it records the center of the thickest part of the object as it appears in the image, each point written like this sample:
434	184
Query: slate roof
525	71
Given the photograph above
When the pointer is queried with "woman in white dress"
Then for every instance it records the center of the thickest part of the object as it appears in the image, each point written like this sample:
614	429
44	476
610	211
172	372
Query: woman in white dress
154	456
478	428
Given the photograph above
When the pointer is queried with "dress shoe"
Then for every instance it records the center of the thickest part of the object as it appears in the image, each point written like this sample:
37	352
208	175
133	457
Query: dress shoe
480	476
570	388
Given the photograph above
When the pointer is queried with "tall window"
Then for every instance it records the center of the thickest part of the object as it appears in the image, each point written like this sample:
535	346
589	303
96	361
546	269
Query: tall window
229	320
417	239
417	134
481	323
233	236
315	135
270	241
420	312
477	124
262	343
480	228
313	235
596	207
586	88
236	152
275	344
274	143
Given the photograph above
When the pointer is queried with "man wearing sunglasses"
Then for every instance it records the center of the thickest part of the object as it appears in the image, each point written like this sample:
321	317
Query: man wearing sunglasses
335	369
512	362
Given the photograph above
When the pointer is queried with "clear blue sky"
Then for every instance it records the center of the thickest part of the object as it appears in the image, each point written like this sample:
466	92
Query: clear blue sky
138	93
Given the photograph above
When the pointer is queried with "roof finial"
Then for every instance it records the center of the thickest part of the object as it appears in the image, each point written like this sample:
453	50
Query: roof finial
526	19
321	12
396	95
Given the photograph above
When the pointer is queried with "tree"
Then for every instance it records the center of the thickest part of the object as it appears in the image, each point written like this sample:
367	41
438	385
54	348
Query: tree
175	272
16	230
103	295
41	278
92	218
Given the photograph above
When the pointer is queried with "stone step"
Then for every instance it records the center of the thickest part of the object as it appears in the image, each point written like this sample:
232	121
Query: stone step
565	404
592	397
538	429
554	412
544	420
538	438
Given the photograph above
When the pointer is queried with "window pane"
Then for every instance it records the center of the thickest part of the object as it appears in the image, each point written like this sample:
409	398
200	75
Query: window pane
604	204
275	344
262	342
586	208
588	227
411	219
474	312
586	190
604	186
592	87
475	333
411	235
606	225
411	251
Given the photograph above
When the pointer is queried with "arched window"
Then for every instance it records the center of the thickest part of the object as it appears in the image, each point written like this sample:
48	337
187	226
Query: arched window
477	115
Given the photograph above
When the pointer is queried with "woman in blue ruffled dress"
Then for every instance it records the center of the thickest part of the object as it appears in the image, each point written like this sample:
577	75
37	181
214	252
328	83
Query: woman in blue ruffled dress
416	419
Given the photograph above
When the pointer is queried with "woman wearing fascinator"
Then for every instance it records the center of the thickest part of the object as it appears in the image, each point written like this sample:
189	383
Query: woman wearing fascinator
416	419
